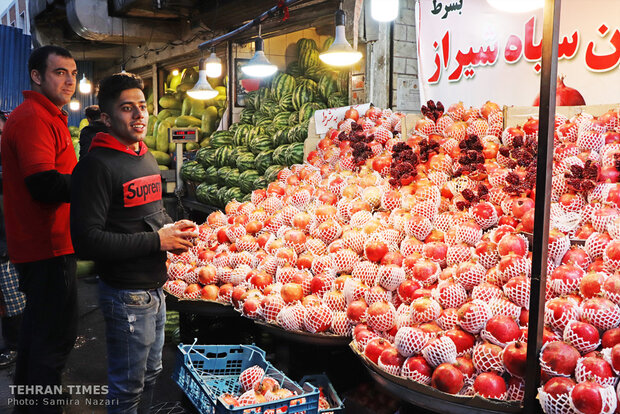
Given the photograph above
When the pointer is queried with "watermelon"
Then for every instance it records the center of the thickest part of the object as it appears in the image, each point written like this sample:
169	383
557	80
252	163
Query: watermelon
295	154
293	119
308	58
251	100
201	156
232	178
223	155
263	160
260	143
281	120
254	132
202	193
211	194
246	116
259	183
186	169
327	86
222	175
221	139
245	162
280	137
307	110
337	100
241	150
310	84
220	196
286	102
241	134
211	175
246	180
247	198
264	122
282	84
343	82
304	44
302	95
271	174
293	69
233	193
315	73
263	95
269	108
328	42
279	154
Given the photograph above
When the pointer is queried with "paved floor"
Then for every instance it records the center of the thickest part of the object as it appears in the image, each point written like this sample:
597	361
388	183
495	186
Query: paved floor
87	363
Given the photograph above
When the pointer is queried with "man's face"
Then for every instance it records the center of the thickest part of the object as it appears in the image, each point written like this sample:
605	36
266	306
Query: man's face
59	80
129	117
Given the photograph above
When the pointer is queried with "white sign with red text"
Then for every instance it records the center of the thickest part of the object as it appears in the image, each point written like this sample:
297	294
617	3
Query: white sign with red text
325	119
469	51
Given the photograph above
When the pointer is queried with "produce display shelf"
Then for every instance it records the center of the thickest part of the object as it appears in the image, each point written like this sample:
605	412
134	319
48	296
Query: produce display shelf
432	399
200	307
321	339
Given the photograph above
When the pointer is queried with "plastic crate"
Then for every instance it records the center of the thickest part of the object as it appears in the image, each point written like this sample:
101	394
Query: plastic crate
321	381
204	372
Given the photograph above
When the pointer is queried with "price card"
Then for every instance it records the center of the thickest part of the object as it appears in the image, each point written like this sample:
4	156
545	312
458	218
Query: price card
183	135
325	119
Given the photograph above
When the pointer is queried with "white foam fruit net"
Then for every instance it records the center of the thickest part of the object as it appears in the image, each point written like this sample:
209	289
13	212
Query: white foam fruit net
439	350
292	317
558	404
318	318
409	341
502	306
608	397
251	376
518	291
424	310
383	321
583	373
448	319
341	325
450	294
559	320
595	245
390	276
470	275
485	292
572	336
602	319
458	253
488	357
474	315
415	375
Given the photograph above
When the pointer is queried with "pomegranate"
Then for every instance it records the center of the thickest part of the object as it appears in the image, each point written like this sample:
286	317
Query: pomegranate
587	398
515	358
559	358
564	95
490	385
447	378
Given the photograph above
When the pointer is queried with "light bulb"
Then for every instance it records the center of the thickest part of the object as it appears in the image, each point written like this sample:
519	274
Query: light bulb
259	66
384	10
520	6
202	90
340	53
175	72
214	66
85	86
74	105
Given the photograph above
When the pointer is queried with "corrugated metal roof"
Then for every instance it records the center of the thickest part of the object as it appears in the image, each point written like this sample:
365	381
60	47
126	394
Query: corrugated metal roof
15	48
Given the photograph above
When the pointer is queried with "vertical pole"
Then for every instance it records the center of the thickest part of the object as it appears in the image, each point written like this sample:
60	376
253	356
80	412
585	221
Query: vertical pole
178	166
546	117
232	81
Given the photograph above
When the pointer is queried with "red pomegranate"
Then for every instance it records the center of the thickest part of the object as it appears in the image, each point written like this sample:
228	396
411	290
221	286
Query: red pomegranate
515	358
564	95
559	358
447	378
490	385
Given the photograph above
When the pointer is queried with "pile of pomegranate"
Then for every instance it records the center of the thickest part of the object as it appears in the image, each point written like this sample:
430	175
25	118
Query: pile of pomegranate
259	388
417	247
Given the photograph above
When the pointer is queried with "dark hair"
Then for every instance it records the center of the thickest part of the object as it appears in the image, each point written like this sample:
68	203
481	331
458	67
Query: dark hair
92	112
38	58
4	115
110	88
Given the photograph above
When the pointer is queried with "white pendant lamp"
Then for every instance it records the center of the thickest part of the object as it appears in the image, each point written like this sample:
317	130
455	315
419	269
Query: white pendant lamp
259	66
74	104
340	53
202	90
520	6
85	86
384	10
214	65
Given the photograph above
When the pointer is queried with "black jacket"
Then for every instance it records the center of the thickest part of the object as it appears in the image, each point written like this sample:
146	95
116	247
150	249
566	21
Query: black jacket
88	133
116	211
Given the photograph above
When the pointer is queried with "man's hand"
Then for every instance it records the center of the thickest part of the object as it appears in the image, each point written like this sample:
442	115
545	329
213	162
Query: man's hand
177	238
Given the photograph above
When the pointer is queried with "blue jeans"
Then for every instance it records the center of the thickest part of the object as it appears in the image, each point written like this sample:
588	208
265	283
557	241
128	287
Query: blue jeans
134	321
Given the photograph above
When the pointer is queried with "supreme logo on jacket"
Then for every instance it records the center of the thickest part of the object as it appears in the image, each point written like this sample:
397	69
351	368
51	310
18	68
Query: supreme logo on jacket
142	190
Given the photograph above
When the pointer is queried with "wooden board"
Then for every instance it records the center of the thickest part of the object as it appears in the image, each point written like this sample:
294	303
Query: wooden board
518	115
408	123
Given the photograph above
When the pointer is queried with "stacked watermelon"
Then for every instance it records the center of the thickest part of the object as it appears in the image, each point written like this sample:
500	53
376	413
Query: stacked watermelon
271	131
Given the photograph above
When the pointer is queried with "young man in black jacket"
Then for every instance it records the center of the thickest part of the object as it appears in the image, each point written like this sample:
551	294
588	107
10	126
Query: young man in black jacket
95	125
118	220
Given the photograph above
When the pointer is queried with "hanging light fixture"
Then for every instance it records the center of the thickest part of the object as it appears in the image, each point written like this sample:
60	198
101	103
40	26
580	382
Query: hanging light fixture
513	6
202	90
340	53
214	65
84	86
259	66
74	104
384	10
175	72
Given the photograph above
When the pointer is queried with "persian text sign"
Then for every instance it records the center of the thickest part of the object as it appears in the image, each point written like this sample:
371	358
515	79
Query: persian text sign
469	51
329	118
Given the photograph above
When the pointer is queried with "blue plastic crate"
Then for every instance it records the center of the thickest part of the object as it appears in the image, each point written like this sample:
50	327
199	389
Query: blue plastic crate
322	381
204	372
